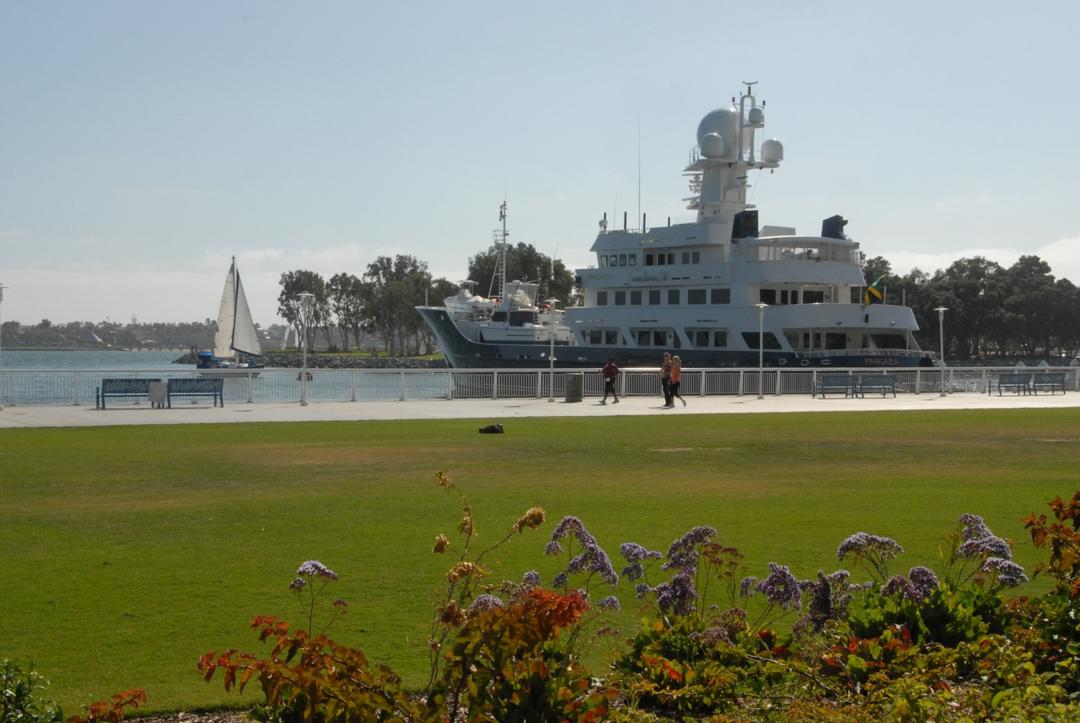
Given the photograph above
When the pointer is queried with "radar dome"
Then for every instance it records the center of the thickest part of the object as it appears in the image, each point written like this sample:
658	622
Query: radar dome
723	122
772	151
712	145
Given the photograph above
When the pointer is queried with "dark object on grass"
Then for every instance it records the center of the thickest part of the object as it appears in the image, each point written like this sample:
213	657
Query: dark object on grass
492	429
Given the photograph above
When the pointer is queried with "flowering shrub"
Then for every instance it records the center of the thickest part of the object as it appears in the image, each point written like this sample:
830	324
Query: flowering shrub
20	696
920	645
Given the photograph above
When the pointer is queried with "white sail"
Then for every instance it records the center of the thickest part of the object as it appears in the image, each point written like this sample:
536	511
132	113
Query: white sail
236	329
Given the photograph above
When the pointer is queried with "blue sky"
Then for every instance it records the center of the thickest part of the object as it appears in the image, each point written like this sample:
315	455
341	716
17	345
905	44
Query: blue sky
143	144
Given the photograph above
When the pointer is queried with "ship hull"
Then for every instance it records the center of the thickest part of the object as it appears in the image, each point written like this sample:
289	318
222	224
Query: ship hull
464	353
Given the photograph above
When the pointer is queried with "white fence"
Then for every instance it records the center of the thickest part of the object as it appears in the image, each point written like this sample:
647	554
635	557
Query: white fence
79	387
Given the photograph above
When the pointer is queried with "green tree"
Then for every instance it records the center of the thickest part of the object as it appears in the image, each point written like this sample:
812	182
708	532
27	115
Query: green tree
392	288
524	263
1030	303
346	293
294	283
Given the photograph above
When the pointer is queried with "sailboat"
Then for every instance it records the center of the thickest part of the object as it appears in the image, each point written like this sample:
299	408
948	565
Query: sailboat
236	343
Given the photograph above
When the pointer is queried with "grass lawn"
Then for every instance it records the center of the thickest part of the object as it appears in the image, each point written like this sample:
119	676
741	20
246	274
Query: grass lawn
129	551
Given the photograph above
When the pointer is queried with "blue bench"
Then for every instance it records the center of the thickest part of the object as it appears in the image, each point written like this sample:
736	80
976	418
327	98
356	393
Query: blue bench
1048	380
845	383
187	387
1018	383
122	388
883	383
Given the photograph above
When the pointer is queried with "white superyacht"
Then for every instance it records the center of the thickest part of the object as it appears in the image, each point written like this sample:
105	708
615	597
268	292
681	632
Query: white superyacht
701	290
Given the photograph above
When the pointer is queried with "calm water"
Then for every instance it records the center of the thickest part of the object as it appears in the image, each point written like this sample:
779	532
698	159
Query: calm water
13	359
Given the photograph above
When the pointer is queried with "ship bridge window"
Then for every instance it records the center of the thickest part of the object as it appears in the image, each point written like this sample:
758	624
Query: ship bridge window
810	296
720	296
654	297
664	338
613	260
620	298
705	338
602	259
520	318
498	316
695	296
597	337
601	298
695	257
673	297
632	258
686	257
648	259
889	341
635	297
622	259
767	296
768	339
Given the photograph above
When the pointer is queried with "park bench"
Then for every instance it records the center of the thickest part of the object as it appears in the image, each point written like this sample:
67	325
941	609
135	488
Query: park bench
1048	380
1018	383
845	383
883	383
122	388
189	387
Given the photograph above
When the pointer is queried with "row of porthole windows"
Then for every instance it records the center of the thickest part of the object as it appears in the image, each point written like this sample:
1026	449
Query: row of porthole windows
700	338
672	297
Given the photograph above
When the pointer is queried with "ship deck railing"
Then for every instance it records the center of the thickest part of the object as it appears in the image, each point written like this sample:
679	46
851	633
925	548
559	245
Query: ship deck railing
53	387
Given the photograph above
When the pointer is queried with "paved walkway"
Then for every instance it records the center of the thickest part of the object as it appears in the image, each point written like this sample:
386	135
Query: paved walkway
500	410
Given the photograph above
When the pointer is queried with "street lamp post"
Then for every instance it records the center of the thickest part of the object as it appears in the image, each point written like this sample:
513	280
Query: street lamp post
306	300
941	343
760	348
1	347
551	347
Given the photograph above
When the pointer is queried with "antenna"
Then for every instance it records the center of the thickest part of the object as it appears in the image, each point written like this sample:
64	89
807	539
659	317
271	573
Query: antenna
639	171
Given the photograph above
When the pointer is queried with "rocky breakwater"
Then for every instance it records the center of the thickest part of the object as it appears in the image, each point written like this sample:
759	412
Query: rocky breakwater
328	360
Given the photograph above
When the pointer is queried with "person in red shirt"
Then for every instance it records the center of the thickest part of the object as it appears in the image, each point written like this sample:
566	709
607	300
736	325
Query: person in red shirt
610	371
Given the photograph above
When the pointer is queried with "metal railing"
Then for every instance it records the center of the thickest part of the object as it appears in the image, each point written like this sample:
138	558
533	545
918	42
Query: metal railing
19	387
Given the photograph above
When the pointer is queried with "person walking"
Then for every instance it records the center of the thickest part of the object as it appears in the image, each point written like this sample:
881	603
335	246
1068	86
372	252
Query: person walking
676	380
610	371
665	380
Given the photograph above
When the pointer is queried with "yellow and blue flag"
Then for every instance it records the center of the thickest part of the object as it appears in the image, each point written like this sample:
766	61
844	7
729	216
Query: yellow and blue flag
873	292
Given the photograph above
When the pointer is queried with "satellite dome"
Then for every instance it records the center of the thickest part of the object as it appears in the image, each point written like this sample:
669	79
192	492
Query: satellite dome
772	151
712	145
723	122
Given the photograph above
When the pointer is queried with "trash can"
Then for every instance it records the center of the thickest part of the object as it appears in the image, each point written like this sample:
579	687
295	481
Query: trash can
575	387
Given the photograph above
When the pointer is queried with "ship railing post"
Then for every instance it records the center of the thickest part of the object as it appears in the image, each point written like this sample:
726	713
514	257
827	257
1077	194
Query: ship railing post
402	382
539	382
75	381
352	385
778	382
494	383
704	380
739	392
918	379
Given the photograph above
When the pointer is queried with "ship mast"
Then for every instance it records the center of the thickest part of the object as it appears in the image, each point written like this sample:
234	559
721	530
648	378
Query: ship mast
498	279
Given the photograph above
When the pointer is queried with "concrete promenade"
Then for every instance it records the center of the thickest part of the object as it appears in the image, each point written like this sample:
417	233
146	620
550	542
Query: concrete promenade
501	410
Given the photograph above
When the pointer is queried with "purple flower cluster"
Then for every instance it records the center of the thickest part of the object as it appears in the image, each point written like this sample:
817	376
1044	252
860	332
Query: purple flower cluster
1009	574
642	589
531	579
979	541
919	583
829	596
923	580
609	603
592	559
297	584
635	554
314	568
867	545
781	588
683	554
677	595
746	585
899	585
484	602
974	527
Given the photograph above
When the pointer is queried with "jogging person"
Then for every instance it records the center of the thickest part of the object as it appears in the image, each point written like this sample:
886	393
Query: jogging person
610	371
